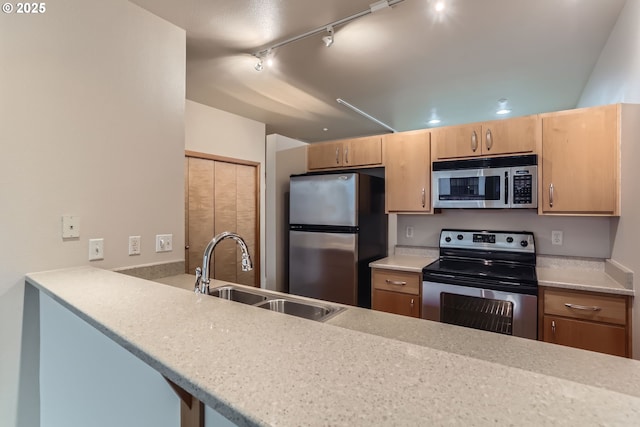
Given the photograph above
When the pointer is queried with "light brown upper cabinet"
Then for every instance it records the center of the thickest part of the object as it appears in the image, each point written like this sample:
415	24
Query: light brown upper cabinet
345	153
508	136
408	171
580	166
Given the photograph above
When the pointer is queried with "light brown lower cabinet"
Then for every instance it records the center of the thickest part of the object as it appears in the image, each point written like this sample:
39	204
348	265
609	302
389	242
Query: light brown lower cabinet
587	320
396	292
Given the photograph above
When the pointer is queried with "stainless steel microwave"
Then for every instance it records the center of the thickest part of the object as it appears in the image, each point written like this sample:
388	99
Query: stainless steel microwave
494	182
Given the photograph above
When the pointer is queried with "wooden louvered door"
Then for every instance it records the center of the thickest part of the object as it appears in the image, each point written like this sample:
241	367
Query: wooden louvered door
222	195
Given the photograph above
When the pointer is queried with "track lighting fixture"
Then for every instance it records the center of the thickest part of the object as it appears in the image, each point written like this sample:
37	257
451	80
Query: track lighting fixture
328	39
259	66
329	28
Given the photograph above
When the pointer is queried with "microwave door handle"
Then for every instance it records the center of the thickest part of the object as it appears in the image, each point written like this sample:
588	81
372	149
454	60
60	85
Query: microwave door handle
506	189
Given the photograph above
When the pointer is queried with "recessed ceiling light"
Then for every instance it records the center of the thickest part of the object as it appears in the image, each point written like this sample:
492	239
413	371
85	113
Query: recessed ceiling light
433	121
503	107
439	6
325	129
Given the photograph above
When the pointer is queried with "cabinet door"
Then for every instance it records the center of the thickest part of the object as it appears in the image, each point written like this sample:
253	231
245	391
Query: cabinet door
408	172
457	141
396	302
580	161
586	335
510	136
362	151
324	155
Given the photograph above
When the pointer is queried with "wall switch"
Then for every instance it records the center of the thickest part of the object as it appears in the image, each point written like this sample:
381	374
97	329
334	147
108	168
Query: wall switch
409	231
134	245
96	249
164	242
556	237
70	227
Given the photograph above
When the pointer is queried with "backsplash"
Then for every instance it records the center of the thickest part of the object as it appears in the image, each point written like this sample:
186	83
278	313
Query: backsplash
582	236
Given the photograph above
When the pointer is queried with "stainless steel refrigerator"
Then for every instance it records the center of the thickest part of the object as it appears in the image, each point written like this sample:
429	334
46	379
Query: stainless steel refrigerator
337	226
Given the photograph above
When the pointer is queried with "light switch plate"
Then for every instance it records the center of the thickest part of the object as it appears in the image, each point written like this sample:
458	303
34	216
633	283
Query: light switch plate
96	249
70	226
164	242
134	245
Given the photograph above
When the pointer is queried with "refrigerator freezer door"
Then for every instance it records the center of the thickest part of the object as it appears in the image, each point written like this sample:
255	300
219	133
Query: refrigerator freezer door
324	199
324	266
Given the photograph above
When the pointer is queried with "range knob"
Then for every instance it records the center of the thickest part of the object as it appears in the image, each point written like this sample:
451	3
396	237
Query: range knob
524	243
460	237
509	239
447	239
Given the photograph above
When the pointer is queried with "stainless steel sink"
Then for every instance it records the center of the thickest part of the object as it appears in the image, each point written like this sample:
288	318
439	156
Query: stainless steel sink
295	307
239	295
305	309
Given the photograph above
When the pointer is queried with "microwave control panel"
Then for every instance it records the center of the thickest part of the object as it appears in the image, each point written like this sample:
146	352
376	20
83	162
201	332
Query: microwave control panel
522	188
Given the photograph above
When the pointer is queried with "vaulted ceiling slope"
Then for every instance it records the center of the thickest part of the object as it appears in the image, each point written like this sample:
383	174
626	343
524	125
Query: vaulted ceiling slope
403	65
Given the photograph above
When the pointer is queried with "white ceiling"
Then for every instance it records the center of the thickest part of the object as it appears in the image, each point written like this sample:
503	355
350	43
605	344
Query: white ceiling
400	65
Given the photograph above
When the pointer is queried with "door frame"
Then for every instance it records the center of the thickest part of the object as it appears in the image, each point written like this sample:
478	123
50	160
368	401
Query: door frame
214	157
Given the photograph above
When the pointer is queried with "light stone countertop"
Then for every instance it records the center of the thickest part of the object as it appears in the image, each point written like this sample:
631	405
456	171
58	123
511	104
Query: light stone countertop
409	263
268	368
581	280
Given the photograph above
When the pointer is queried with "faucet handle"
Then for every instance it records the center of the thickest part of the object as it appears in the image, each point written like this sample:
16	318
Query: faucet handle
198	280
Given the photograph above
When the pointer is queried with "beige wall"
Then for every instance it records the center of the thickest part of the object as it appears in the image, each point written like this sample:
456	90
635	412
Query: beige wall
92	119
213	131
285	156
615	79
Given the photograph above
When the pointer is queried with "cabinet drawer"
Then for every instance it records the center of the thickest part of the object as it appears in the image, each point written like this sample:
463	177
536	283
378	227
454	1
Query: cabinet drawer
396	303
396	281
586	306
586	335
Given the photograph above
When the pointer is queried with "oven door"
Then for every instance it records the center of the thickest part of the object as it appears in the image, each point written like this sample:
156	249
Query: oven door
471	188
495	311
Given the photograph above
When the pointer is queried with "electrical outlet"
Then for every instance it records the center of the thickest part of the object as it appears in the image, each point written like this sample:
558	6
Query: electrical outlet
164	242
556	237
134	245
409	232
96	249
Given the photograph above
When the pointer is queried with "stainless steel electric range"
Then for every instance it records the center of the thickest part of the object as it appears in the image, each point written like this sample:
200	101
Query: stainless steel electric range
484	280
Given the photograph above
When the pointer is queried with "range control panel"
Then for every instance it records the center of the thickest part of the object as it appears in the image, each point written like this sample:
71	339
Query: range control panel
513	241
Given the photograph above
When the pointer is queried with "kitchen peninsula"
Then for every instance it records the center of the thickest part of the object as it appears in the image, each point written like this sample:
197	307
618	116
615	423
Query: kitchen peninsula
359	368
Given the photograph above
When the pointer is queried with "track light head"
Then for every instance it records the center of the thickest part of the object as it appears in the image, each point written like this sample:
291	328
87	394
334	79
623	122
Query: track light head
328	39
259	66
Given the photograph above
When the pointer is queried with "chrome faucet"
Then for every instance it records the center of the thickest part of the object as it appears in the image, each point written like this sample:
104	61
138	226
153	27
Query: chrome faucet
202	274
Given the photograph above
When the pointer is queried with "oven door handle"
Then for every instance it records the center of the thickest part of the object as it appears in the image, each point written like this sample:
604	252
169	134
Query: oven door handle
450	276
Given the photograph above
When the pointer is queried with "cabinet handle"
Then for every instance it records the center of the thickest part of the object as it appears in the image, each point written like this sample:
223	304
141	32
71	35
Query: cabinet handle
583	307
411	302
346	155
395	282
186	247
553	328
424	197
337	156
474	141
551	195
489	139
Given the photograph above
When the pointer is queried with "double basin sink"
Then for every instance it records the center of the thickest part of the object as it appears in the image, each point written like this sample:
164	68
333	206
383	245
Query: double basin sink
305	309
